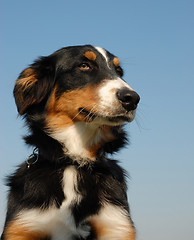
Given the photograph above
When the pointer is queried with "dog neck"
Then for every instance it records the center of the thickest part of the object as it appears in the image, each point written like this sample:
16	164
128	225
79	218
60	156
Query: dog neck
83	140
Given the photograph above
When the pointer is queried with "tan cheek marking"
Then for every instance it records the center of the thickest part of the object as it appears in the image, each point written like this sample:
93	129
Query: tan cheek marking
15	231
90	55
116	62
63	112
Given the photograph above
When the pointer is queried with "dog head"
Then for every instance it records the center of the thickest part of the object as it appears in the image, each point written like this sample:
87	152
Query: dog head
76	91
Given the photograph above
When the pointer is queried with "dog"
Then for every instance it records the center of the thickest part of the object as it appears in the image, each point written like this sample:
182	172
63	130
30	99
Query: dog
75	104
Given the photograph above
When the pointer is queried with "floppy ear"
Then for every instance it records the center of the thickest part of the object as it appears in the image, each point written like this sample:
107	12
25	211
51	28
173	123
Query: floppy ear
34	84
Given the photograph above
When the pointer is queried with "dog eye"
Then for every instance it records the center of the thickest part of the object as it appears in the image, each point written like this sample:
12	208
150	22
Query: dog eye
119	71
85	67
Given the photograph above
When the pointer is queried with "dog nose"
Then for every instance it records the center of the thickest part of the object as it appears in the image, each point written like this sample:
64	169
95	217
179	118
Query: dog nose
128	98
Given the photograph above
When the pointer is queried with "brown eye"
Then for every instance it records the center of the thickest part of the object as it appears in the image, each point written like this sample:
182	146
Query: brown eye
84	67
119	71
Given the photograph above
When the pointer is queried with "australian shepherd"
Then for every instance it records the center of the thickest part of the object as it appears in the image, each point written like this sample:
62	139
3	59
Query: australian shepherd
75	103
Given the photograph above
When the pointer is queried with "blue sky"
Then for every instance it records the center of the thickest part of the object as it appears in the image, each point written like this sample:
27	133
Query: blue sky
154	41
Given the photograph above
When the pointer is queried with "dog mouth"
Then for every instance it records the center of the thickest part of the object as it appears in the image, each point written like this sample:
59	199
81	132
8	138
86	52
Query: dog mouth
89	115
111	118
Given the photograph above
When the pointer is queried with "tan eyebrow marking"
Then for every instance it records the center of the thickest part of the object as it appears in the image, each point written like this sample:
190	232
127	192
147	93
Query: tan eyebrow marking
116	61
90	55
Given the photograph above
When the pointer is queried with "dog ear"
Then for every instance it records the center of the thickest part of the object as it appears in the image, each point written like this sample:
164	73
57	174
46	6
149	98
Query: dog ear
34	84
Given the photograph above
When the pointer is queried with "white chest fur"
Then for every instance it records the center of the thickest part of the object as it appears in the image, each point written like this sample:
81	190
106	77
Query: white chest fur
78	138
113	223
58	223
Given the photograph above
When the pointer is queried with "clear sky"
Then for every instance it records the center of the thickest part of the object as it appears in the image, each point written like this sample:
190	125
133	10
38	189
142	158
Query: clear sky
154	41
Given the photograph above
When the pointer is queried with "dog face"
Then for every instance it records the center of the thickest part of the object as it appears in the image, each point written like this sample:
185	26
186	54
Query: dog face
76	88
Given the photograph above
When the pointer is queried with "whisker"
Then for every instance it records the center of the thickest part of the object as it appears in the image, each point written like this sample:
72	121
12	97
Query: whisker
96	115
91	114
81	110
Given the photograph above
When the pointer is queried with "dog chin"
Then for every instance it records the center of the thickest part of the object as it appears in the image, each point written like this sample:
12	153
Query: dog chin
115	120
